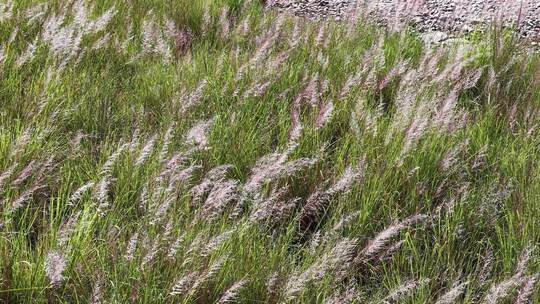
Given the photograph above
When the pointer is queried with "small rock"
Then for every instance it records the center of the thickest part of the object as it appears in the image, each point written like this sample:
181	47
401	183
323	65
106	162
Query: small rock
434	37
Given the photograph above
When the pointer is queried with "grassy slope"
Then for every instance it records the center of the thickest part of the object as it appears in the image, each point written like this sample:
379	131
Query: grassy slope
468	162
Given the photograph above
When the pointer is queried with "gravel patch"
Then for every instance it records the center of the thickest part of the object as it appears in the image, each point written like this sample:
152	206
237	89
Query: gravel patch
435	16
315	9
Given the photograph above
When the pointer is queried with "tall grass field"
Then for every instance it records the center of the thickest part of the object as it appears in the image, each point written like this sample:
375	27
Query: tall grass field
216	151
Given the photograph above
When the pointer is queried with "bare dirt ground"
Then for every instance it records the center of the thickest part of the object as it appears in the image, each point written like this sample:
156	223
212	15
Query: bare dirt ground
443	16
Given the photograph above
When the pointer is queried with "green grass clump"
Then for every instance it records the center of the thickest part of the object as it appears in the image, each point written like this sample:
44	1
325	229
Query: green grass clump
212	151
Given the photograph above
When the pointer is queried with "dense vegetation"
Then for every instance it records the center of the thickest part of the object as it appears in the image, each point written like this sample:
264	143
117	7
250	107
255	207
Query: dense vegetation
199	151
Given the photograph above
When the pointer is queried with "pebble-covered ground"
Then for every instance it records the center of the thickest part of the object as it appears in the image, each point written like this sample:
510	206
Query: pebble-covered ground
426	15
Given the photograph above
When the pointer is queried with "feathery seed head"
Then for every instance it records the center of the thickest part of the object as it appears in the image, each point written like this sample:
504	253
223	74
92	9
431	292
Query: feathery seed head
453	294
25	173
231	295
198	134
526	292
67	229
97	292
403	290
325	114
54	267
171	254
146	151
183	284
380	241
216	242
131	246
